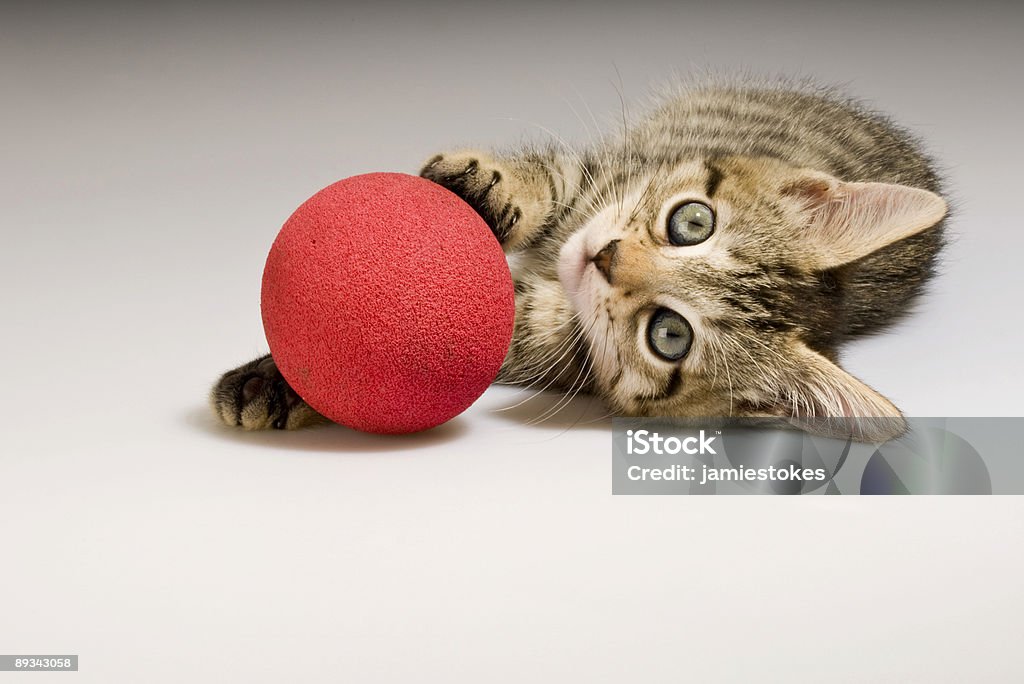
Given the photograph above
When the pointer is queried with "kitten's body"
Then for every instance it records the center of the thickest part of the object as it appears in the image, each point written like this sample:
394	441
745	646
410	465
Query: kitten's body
819	235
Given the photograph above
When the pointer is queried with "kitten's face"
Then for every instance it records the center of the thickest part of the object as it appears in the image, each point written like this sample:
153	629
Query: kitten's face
714	292
677	328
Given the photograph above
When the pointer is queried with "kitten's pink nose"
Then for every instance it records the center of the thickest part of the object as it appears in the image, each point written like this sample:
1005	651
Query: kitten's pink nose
605	260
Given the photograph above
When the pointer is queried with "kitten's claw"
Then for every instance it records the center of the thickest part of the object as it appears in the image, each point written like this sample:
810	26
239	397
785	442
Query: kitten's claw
477	179
255	396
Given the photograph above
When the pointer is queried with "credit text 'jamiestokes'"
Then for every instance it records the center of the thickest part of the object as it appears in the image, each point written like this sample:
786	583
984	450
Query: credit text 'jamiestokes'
643	442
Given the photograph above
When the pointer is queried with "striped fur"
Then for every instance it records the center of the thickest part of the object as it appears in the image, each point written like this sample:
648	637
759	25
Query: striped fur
770	301
828	226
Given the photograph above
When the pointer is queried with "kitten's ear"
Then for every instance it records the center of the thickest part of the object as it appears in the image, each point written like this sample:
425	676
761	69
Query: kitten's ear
848	221
820	397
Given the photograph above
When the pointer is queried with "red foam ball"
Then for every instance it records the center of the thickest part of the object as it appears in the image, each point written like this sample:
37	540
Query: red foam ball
387	303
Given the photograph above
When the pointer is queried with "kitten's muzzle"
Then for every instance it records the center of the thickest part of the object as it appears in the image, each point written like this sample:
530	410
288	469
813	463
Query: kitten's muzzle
605	260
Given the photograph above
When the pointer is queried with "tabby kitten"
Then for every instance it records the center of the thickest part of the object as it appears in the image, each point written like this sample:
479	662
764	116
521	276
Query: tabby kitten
709	261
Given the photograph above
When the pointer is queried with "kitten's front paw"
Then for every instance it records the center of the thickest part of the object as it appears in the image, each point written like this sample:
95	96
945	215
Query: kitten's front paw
255	396
483	183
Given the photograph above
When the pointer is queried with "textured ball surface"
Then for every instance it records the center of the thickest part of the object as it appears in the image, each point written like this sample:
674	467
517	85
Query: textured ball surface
387	303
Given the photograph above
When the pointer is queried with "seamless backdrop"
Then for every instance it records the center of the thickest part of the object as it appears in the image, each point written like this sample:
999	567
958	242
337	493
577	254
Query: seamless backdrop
149	155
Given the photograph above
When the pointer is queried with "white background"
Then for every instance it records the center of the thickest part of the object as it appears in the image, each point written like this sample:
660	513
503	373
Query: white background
149	157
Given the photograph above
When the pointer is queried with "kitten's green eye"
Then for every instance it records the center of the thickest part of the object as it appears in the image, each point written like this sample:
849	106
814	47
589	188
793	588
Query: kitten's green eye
669	335
690	224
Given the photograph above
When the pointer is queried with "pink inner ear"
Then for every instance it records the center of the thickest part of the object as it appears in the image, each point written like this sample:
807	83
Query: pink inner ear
820	388
852	220
810	189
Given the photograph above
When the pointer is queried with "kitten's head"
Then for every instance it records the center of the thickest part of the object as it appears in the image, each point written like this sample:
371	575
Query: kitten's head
715	290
